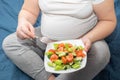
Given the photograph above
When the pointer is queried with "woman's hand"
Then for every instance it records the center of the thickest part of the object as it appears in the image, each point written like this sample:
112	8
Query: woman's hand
27	17
25	30
87	42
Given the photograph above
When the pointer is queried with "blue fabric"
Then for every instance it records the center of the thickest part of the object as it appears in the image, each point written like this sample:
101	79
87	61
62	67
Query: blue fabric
112	70
9	10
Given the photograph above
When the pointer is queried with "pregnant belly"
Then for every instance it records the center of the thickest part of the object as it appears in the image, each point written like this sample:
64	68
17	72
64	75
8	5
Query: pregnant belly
64	27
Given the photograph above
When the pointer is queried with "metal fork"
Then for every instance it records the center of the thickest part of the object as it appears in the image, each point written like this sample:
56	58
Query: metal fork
40	42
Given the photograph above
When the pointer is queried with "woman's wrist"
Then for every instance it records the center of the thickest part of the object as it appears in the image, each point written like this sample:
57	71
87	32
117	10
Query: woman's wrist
25	15
90	38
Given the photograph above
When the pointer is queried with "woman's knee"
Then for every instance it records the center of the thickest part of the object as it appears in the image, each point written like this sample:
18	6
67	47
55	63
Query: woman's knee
101	52
8	42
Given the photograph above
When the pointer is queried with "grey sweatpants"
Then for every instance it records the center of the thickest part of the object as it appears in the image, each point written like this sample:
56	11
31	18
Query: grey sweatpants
28	57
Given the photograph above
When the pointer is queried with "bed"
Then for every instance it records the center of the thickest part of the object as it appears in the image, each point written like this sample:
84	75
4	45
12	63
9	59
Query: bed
9	10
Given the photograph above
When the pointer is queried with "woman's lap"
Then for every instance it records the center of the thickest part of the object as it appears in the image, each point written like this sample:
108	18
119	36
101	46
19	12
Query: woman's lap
25	54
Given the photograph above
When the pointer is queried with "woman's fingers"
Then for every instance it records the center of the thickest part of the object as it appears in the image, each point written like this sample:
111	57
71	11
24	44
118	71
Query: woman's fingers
27	31
22	35
32	30
87	44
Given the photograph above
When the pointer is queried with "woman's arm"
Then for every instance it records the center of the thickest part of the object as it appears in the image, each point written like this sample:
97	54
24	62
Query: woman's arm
30	11
106	22
27	17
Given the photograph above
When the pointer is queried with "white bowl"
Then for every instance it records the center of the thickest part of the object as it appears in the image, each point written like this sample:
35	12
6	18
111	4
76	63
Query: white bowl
76	42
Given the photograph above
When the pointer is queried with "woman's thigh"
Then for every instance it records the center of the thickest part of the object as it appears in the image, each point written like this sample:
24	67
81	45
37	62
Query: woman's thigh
26	55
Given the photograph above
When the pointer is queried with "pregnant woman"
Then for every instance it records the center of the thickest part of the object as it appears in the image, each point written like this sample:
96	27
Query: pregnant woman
88	20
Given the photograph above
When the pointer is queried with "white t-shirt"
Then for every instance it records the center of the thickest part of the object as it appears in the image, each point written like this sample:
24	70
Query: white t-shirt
67	19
